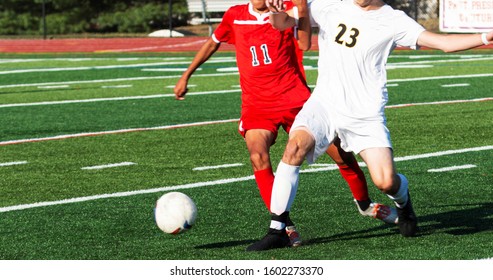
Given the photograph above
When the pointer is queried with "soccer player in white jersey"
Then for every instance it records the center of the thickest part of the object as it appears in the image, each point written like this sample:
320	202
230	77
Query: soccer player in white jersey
355	39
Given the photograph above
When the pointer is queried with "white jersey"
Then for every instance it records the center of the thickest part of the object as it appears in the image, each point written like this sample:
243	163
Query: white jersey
354	47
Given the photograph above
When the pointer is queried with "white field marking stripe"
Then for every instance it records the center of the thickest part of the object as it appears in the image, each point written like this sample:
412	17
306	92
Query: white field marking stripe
217	166
437	154
441	78
10	142
165	69
90	59
124	194
227	74
227	69
53	87
108	165
86	134
203	184
83	68
113	98
211	92
455	58
446	60
407	66
439	102
418	56
113	80
12	163
390	65
444	153
456	85
452	168
118	86
189	86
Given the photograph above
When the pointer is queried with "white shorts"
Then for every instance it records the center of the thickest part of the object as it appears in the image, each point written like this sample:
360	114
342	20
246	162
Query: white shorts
356	134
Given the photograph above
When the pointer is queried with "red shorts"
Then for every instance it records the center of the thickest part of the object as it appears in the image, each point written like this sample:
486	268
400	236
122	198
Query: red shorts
267	120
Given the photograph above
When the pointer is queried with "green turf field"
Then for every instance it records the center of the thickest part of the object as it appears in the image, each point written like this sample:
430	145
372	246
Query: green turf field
63	112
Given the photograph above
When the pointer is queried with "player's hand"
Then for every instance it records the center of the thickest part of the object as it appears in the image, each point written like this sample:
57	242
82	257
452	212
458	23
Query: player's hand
275	6
181	89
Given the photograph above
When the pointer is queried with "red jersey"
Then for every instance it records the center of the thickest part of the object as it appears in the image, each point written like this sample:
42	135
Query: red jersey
268	60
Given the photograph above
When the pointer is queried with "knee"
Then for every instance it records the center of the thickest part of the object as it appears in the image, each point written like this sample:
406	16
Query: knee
295	152
386	184
260	160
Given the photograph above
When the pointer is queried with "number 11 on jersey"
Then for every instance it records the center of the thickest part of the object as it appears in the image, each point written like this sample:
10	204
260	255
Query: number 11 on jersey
265	52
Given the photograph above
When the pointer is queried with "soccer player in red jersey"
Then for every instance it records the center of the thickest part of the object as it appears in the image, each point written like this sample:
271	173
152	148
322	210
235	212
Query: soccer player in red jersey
274	90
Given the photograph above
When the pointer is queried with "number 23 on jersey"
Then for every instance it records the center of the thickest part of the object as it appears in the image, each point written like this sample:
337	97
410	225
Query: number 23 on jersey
349	41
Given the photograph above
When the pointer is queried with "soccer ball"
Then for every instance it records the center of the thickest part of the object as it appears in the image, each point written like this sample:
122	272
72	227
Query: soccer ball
175	212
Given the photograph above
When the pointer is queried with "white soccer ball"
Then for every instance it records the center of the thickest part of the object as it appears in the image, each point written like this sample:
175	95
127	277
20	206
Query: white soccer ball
175	212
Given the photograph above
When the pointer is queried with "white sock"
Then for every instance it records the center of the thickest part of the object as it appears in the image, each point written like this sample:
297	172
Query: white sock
277	225
400	198
284	189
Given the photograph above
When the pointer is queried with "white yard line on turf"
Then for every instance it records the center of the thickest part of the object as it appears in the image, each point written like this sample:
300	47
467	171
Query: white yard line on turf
202	168
227	74
85	134
456	85
205	184
113	98
165	69
118	86
440	78
111	165
122	98
53	87
80	59
3	164
440	102
113	80
84	68
117	66
452	168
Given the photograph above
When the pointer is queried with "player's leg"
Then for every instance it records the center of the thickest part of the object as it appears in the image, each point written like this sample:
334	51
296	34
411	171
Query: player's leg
382	170
284	190
310	138
355	178
258	142
351	172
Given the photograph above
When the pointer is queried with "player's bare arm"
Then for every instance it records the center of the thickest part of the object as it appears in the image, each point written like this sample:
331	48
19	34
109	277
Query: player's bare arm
304	25
205	52
454	42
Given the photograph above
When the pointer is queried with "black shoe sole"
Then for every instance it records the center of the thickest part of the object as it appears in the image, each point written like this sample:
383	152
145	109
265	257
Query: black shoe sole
408	223
273	240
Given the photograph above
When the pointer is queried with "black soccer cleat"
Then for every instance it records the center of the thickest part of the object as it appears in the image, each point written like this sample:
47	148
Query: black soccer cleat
408	223
274	239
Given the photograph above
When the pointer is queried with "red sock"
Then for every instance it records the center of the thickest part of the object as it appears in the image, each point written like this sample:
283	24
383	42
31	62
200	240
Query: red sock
355	178
265	181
